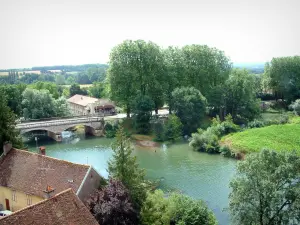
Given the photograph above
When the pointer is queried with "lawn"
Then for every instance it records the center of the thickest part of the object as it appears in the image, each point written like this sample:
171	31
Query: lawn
275	137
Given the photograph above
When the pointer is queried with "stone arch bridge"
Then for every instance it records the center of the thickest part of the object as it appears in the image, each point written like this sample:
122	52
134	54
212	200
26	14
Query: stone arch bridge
54	128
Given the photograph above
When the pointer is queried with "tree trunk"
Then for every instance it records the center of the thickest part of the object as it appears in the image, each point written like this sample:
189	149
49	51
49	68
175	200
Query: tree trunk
128	112
156	111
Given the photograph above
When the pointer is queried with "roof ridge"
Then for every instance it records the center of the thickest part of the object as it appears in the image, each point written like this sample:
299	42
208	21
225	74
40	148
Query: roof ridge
39	155
41	202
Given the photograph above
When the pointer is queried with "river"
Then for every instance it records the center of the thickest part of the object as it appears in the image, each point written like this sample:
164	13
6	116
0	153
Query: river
199	175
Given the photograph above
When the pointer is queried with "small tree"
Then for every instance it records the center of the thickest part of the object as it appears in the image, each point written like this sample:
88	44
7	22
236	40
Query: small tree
173	128
266	189
123	167
190	106
113	205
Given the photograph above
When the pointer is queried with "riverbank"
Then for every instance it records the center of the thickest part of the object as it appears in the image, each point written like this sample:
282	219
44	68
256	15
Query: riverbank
276	137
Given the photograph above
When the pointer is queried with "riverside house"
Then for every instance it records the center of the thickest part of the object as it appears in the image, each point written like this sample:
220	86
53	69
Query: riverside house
81	105
27	178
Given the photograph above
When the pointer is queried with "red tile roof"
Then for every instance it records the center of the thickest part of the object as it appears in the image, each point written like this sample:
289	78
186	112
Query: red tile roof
32	173
63	209
82	100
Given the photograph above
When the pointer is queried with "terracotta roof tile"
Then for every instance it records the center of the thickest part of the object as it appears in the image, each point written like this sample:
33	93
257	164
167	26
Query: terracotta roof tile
63	209
82	100
32	173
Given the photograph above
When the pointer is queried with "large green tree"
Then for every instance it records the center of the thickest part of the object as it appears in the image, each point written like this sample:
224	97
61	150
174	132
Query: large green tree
239	98
266	189
124	167
284	73
8	131
39	104
190	106
14	96
204	67
136	67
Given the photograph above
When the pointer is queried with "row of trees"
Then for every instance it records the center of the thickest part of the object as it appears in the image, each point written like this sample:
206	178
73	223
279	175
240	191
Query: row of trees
189	80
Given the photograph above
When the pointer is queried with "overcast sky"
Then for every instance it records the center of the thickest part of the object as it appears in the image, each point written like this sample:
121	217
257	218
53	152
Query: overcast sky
56	32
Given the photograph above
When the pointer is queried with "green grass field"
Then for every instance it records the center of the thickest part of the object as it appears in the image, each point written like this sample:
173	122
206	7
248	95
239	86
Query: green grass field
276	137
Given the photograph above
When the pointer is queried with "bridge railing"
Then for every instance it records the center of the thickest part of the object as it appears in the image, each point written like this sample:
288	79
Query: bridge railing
58	122
64	117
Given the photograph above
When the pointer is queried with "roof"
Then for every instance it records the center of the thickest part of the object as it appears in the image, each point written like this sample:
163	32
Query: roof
82	100
32	173
85	100
64	208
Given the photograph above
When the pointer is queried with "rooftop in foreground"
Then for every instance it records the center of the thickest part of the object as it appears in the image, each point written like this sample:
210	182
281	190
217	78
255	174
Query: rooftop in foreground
64	208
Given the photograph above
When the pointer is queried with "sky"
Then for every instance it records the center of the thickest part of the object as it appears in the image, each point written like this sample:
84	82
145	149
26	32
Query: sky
70	32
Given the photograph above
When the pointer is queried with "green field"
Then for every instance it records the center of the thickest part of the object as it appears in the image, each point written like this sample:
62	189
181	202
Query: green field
275	137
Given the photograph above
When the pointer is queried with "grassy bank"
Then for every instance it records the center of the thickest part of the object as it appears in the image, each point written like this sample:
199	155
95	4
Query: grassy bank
276	137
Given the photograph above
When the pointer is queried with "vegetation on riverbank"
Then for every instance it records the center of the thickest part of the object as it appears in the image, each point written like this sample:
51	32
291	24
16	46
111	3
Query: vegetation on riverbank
278	137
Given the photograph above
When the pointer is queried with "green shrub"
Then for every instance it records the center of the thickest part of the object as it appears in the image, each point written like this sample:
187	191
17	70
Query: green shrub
207	141
295	106
226	152
110	130
173	129
256	124
177	209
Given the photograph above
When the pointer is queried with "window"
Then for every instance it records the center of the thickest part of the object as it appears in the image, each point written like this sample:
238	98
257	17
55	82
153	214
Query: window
14	196
29	200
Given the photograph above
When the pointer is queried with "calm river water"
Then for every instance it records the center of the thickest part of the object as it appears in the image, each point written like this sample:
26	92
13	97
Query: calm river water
199	175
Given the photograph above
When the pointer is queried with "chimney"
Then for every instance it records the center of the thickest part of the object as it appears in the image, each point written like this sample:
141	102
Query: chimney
42	150
49	192
6	147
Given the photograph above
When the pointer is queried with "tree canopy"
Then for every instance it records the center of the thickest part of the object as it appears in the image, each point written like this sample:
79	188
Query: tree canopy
266	189
7	124
190	106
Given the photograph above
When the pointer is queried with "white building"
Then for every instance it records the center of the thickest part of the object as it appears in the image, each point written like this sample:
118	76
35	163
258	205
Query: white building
85	105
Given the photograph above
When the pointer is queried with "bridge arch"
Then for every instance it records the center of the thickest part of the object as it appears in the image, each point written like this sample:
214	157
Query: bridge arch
50	133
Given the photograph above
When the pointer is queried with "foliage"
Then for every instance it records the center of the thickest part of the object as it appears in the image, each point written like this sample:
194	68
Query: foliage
240	98
173	129
7	124
296	107
225	151
277	137
142	113
14	97
284	75
110	130
113	205
189	105
208	140
156	209
177	209
136	67
76	90
266	189
51	87
256	124
97	90
158	129
123	167
39	104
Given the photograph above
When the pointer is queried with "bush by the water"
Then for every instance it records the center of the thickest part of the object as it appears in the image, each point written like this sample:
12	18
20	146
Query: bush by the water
169	130
208	140
295	106
110	130
176	209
